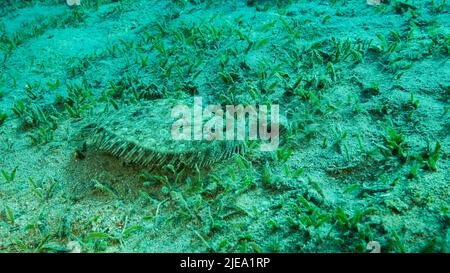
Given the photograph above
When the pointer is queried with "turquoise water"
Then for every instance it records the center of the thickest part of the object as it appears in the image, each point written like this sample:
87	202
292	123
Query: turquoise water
360	140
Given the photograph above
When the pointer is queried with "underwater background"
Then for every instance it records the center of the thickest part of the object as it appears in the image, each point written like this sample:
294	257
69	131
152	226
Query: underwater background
363	88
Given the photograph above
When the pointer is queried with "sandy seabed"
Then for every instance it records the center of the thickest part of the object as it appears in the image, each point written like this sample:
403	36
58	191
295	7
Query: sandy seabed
364	157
